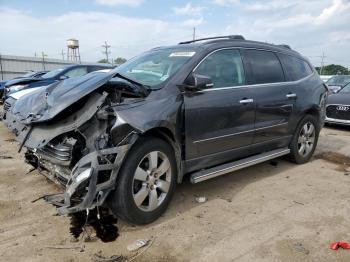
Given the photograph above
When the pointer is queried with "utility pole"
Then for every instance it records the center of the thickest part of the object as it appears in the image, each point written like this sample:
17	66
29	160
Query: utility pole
2	72
106	50
322	62
43	56
194	33
62	53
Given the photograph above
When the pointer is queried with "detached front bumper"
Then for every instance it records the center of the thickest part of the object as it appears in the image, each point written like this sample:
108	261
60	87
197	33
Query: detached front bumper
92	179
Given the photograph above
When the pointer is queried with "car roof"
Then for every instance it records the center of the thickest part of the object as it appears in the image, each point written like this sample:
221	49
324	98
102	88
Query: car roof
87	65
213	43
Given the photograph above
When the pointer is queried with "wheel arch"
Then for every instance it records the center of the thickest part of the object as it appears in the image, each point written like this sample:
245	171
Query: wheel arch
168	136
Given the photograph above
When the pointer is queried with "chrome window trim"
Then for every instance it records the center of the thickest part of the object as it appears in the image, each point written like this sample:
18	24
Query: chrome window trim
238	133
253	85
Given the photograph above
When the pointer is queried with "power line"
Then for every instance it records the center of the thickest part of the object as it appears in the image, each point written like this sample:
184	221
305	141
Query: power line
322	62
106	50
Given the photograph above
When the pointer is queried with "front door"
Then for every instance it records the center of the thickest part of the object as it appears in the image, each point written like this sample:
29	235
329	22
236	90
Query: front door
219	121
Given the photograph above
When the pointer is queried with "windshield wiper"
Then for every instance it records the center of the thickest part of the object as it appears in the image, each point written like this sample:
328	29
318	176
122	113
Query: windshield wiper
145	90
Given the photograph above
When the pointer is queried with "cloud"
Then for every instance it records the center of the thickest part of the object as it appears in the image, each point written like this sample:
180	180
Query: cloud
274	5
193	22
338	6
225	2
24	34
120	2
189	10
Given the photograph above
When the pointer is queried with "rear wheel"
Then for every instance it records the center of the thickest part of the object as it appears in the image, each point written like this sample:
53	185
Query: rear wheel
304	140
146	182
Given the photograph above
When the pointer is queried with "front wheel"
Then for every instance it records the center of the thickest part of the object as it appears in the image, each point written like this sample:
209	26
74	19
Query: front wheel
146	182
304	140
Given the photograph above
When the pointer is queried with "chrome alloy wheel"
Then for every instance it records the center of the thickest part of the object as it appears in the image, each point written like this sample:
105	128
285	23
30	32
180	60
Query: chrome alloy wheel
306	139
152	180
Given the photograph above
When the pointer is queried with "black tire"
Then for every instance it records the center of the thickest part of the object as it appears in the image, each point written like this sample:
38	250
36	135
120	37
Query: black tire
294	155
121	200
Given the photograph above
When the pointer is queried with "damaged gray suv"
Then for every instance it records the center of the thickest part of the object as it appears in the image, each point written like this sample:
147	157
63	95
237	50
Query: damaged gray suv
124	139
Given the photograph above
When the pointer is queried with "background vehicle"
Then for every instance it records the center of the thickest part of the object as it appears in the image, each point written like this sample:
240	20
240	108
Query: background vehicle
13	81
11	100
202	108
50	77
325	78
338	107
337	82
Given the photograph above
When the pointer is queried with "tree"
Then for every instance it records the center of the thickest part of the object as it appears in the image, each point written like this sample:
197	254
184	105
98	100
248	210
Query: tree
120	60
333	70
104	60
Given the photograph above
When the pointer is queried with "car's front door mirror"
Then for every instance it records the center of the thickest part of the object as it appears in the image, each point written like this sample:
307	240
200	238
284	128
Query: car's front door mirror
195	82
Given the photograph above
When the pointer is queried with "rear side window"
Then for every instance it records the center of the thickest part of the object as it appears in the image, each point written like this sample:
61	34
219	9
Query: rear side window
264	67
224	67
294	67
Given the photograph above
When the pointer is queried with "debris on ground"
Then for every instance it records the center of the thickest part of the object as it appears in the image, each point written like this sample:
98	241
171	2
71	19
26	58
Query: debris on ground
337	245
299	203
10	140
98	257
201	199
300	248
105	227
79	248
6	157
137	244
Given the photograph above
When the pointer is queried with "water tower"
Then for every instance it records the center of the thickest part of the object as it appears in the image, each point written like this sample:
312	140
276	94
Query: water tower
73	53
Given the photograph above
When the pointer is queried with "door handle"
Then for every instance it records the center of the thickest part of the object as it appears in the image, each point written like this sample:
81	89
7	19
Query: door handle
246	101
291	95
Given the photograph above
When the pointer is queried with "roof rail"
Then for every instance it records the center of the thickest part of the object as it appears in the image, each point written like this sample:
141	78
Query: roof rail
285	46
229	37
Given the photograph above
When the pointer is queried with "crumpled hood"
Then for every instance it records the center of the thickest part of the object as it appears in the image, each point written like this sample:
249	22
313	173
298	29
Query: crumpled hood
45	103
339	98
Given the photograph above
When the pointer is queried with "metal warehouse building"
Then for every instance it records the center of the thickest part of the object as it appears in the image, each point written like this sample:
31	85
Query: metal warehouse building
14	66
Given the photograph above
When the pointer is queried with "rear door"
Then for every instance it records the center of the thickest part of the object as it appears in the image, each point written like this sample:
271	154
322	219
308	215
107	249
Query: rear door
275	100
219	121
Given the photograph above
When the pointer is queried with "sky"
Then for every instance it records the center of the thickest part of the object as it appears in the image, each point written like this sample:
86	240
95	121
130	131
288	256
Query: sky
314	27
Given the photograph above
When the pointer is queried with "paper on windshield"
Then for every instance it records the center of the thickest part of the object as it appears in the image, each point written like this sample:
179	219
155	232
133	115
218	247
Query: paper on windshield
182	54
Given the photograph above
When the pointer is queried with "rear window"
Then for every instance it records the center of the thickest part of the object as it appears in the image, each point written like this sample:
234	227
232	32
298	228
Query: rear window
264	67
294	67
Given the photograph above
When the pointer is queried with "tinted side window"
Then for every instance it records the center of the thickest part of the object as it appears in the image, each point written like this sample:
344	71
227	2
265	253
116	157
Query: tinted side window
295	68
224	67
264	66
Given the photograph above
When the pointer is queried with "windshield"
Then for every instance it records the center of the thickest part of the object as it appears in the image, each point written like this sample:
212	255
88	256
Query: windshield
346	89
339	80
155	67
52	73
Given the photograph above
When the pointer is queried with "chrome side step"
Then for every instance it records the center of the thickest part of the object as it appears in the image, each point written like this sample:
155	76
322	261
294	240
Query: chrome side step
237	165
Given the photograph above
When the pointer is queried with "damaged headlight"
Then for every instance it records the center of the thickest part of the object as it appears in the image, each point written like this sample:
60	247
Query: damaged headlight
83	176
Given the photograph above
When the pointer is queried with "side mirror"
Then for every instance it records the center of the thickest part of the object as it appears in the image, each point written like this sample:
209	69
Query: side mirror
196	82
